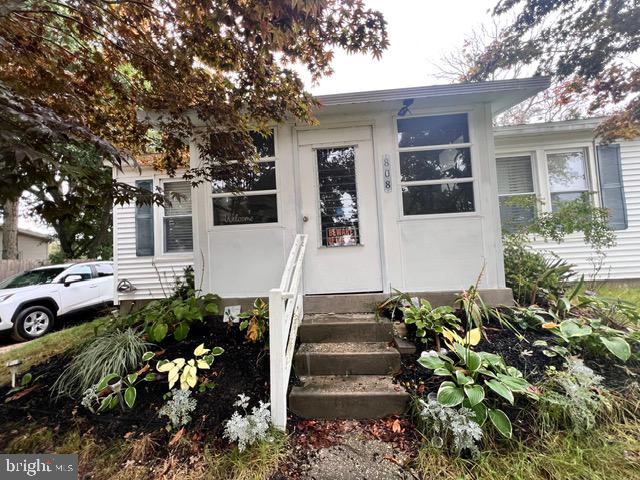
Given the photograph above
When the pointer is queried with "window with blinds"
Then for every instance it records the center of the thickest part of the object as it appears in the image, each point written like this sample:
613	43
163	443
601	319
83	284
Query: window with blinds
177	222
144	223
611	188
516	192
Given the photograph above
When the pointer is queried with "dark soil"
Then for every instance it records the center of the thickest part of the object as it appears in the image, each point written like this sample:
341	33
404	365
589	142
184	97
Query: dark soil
242	368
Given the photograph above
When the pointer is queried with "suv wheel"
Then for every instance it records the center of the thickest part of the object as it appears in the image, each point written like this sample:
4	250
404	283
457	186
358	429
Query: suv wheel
32	322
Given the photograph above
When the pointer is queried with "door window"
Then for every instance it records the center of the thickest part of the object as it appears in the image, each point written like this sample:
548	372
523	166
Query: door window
339	222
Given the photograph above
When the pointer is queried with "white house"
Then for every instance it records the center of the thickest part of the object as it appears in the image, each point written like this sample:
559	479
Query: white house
394	188
560	160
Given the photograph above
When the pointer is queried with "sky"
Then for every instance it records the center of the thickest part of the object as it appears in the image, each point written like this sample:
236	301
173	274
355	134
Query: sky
420	33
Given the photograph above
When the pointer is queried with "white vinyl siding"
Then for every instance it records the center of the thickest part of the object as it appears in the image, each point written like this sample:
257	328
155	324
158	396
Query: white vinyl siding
622	262
152	276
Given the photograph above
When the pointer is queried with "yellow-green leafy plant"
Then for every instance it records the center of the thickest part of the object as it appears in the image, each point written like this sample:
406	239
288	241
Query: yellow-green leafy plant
256	321
186	371
430	320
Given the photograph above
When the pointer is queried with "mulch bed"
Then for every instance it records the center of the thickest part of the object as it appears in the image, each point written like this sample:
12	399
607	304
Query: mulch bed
242	368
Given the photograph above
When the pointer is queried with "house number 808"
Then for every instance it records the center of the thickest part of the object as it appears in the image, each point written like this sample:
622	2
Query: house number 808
386	172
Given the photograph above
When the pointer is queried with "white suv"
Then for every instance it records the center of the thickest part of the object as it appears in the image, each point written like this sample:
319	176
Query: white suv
31	301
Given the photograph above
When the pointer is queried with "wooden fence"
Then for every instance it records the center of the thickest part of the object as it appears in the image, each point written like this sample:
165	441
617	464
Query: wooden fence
11	267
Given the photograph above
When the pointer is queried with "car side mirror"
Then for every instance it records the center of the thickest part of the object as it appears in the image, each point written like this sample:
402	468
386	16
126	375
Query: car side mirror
73	278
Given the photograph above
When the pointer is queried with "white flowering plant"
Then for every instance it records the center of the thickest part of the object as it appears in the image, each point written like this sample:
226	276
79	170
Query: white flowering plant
248	428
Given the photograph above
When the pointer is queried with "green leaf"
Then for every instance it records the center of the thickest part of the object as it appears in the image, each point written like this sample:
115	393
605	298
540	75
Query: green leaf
216	351
442	372
181	332
570	329
211	308
618	346
148	356
131	378
431	362
159	332
473	360
106	402
462	379
501	389
475	394
513	383
481	413
130	396
540	343
450	395
26	379
102	384
149	377
501	422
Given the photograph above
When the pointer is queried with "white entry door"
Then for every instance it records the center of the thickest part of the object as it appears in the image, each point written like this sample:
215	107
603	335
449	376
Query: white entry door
339	211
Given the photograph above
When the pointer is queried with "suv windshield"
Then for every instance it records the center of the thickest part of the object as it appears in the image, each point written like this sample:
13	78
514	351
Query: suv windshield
32	277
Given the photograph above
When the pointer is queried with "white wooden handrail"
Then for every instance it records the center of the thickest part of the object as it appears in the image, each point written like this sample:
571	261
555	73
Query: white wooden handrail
285	315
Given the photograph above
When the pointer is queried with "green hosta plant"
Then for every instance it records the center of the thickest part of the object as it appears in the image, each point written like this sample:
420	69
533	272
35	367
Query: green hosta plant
472	376
187	370
114	390
593	335
430	320
174	316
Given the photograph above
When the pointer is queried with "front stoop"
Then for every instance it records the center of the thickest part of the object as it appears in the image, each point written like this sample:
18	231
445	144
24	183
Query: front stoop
346	363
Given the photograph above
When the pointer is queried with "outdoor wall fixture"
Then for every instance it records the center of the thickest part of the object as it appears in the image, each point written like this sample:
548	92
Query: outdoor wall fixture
405	107
13	368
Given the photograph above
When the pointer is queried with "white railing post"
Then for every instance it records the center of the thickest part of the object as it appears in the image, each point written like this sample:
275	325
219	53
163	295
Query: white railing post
285	314
277	349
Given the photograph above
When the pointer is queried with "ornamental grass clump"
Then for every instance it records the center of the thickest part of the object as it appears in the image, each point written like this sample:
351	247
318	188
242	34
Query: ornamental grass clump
117	352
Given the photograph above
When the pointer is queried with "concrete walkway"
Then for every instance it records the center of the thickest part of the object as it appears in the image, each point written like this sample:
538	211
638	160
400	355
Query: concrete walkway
358	457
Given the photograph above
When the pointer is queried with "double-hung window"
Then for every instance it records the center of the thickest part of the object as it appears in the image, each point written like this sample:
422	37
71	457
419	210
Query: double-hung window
177	221
253	198
516	192
435	164
567	176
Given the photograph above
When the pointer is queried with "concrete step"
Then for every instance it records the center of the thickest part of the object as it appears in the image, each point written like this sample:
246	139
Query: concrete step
353	358
345	327
348	397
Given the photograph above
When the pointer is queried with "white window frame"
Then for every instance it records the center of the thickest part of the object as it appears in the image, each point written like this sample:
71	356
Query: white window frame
160	240
248	193
472	179
589	166
534	177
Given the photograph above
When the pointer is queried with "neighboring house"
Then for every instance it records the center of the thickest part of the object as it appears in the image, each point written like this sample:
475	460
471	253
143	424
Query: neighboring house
560	160
395	189
31	245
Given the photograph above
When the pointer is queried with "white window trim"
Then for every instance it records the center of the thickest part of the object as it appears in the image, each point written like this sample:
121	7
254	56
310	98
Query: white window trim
473	179
160	253
534	178
590	169
277	192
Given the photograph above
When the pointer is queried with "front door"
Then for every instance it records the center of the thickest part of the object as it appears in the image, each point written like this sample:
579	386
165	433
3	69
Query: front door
339	211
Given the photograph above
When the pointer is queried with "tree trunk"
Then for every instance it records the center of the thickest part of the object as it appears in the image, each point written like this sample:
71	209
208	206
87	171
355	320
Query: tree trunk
10	230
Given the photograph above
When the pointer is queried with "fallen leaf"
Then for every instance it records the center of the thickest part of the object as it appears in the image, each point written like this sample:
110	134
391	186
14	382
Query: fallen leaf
395	427
176	438
22	393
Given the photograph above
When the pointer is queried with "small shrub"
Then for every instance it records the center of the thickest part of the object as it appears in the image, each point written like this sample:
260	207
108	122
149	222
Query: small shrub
178	408
392	306
532	275
256	322
116	352
430	320
185	285
248	428
571	399
455	430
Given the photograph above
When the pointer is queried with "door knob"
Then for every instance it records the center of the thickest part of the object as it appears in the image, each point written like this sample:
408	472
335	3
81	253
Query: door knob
305	218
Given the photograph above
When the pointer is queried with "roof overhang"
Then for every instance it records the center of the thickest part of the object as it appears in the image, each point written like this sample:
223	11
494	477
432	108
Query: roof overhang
564	126
501	94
